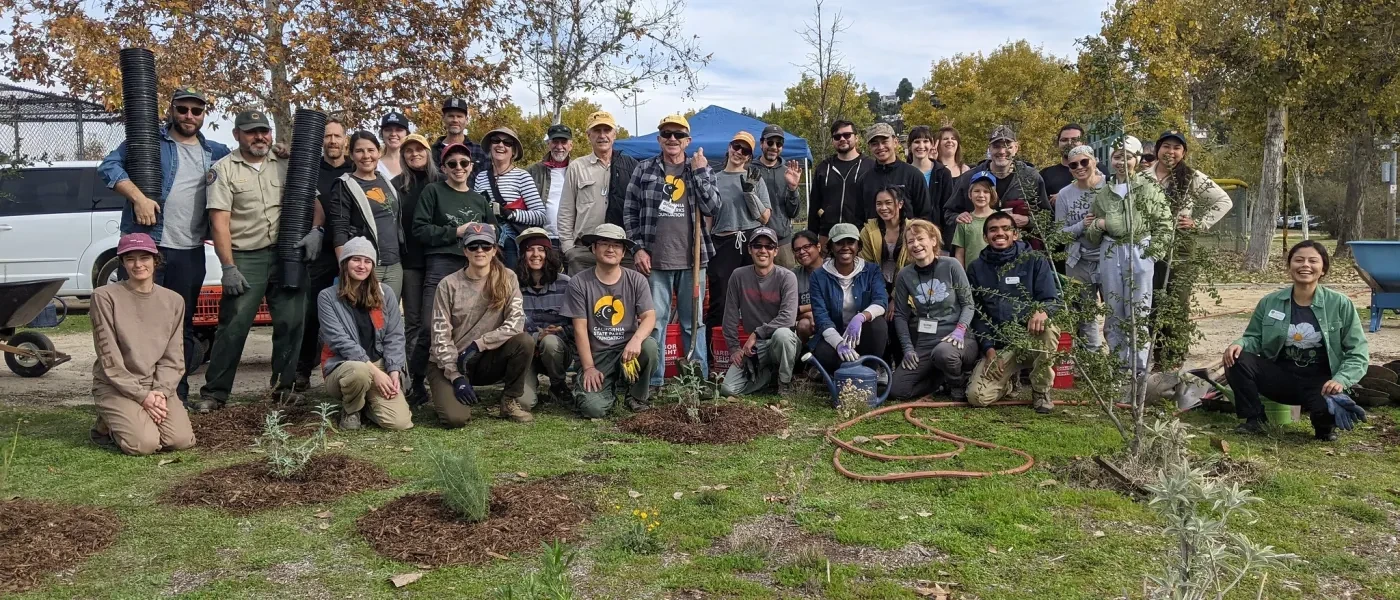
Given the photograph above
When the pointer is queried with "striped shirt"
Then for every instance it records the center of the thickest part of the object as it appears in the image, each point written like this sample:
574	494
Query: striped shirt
545	307
515	184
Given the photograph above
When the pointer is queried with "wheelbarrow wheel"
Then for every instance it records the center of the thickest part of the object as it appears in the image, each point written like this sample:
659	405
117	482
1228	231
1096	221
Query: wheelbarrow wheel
28	366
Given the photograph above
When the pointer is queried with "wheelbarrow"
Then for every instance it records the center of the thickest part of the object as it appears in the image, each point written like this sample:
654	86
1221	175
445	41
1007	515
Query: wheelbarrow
28	353
1378	263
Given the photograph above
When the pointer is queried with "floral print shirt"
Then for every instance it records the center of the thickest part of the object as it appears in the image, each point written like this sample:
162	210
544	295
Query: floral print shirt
1303	352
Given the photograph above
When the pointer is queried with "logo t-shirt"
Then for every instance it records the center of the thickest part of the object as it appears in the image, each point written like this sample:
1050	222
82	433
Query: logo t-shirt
612	311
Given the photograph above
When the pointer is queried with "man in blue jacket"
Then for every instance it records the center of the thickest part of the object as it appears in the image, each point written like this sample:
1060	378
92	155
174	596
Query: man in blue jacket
1016	293
176	219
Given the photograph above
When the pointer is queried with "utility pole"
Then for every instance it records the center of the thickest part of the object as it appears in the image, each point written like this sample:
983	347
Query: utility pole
636	119
1390	205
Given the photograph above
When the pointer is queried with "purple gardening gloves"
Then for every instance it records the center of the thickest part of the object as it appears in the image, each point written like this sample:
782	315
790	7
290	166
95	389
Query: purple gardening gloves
852	335
957	336
911	361
847	353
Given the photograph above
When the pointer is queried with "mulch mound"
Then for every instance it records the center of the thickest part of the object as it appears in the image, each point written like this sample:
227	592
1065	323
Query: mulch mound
247	488
235	426
38	538
420	529
731	423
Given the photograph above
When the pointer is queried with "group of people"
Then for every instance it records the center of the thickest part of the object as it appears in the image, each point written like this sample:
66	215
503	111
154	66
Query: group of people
440	266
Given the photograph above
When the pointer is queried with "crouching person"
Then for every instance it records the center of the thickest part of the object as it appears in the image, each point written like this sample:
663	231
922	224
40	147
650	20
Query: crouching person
613	317
138	331
364	357
544	289
764	298
478	334
932	306
1014	288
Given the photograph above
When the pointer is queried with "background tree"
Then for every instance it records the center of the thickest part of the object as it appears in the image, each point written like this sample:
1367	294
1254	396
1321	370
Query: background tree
904	92
1016	85
614	46
872	101
276	55
532	129
800	112
825	67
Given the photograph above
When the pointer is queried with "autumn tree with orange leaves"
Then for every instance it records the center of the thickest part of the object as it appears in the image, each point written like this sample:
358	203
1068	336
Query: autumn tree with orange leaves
346	56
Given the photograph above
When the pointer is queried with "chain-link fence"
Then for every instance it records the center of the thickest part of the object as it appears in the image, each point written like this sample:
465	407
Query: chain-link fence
38	126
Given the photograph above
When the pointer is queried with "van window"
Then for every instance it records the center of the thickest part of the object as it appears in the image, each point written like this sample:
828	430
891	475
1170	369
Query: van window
103	197
44	192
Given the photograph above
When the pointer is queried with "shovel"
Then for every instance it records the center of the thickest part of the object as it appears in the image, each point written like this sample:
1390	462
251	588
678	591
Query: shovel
692	360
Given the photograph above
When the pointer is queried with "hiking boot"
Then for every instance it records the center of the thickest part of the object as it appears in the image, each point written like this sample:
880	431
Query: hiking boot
1041	402
302	383
1251	426
204	406
958	391
350	422
558	393
784	389
510	409
637	406
101	435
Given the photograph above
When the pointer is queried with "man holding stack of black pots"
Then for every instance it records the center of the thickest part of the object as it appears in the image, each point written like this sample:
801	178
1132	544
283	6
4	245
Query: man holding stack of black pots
245	208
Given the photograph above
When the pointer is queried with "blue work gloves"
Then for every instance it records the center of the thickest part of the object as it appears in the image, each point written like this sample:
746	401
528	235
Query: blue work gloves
465	356
847	353
1344	411
911	360
462	390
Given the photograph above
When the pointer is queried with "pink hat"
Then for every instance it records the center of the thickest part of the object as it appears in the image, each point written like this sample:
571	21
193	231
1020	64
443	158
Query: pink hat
136	241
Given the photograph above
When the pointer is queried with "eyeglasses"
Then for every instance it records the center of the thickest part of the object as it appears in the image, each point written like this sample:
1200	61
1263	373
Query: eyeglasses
480	246
845	135
458	164
190	110
1069	140
803	249
1079	164
672	134
741	149
767	247
774	141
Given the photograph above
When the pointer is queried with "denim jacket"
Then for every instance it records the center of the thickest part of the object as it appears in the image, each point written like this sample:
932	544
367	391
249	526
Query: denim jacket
113	170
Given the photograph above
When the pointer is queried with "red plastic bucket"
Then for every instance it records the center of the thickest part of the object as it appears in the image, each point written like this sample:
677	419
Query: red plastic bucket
719	349
672	348
1064	370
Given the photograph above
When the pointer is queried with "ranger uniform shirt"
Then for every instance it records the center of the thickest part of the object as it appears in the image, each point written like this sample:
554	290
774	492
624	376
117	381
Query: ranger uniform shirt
253	196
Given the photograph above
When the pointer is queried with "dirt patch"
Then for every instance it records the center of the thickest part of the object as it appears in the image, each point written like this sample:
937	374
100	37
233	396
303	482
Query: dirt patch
1386	430
780	539
38	538
731	423
247	488
236	426
1083	472
420	529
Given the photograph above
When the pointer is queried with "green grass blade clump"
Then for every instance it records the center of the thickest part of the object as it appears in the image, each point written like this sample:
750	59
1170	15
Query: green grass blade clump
465	486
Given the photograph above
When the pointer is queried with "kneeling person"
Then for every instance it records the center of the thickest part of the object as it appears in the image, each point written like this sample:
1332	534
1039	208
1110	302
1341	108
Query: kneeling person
478	334
138	331
613	317
362	328
764	298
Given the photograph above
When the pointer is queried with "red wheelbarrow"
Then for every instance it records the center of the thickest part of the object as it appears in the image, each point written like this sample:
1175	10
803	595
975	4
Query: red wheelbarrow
28	353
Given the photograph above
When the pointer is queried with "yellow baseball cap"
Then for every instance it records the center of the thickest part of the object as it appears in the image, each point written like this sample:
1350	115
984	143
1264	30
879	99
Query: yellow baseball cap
601	117
745	137
674	120
414	137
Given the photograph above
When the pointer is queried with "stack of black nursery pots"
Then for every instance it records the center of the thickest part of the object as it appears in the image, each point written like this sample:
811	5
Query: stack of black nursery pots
141	110
299	192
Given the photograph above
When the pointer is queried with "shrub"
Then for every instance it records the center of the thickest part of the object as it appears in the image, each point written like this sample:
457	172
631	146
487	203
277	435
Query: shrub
551	582
640	536
465	487
285	457
688	388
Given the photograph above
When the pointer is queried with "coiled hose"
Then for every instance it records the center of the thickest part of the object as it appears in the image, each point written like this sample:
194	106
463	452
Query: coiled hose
298	193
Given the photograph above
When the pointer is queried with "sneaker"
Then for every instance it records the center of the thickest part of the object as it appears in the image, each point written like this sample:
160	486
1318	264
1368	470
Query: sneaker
1251	426
204	406
784	389
637	406
958	393
350	422
1041	402
302	383
510	409
1327	436
417	394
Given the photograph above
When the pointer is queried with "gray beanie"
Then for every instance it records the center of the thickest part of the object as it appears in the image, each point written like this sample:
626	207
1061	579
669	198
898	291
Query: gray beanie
358	246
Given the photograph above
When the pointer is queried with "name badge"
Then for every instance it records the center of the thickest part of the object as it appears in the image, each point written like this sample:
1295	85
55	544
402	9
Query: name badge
1275	315
928	326
1013	280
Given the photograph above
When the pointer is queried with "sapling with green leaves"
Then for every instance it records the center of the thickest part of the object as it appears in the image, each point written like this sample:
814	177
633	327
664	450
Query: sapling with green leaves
689	388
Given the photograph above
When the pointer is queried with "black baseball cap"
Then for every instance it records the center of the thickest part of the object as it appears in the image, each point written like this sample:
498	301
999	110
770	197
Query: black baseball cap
394	119
561	131
771	131
1172	134
457	104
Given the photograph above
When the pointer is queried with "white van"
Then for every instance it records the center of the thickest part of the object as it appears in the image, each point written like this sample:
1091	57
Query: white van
61	220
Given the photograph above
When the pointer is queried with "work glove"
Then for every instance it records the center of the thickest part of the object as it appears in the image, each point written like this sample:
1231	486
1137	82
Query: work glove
1344	411
852	335
234	283
462	390
310	244
911	361
465	356
847	353
957	337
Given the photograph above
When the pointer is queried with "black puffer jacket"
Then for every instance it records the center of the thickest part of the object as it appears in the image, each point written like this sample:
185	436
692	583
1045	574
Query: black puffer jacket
1027	190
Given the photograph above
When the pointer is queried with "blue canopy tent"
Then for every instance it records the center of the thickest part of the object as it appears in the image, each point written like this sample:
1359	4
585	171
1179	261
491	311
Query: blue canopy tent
712	129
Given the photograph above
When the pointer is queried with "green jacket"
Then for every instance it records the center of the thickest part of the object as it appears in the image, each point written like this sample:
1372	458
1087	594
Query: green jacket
1347	350
1150	214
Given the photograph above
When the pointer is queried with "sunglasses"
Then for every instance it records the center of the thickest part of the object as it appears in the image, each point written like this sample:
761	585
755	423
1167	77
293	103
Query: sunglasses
775	142
674	135
190	110
498	140
1079	164
458	164
843	136
480	246
767	247
741	149
1147	158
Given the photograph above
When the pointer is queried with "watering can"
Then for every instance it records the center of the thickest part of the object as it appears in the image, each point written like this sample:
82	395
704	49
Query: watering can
862	377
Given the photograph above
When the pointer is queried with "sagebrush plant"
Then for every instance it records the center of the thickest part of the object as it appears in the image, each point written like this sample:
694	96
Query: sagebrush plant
640	536
551	582
689	388
286	457
465	486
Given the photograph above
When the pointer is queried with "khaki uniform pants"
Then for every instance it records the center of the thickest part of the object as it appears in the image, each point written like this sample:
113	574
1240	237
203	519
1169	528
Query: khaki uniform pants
985	389
132	428
353	383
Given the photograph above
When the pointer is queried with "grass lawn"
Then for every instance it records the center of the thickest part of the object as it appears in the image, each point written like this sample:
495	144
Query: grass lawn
1012	537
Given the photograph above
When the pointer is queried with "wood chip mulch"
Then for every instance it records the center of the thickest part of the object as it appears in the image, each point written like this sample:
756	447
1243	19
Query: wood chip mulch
247	488
235	426
420	529
38	538
730	423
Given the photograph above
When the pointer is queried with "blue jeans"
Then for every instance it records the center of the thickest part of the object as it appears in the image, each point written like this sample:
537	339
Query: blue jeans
510	251
662	284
